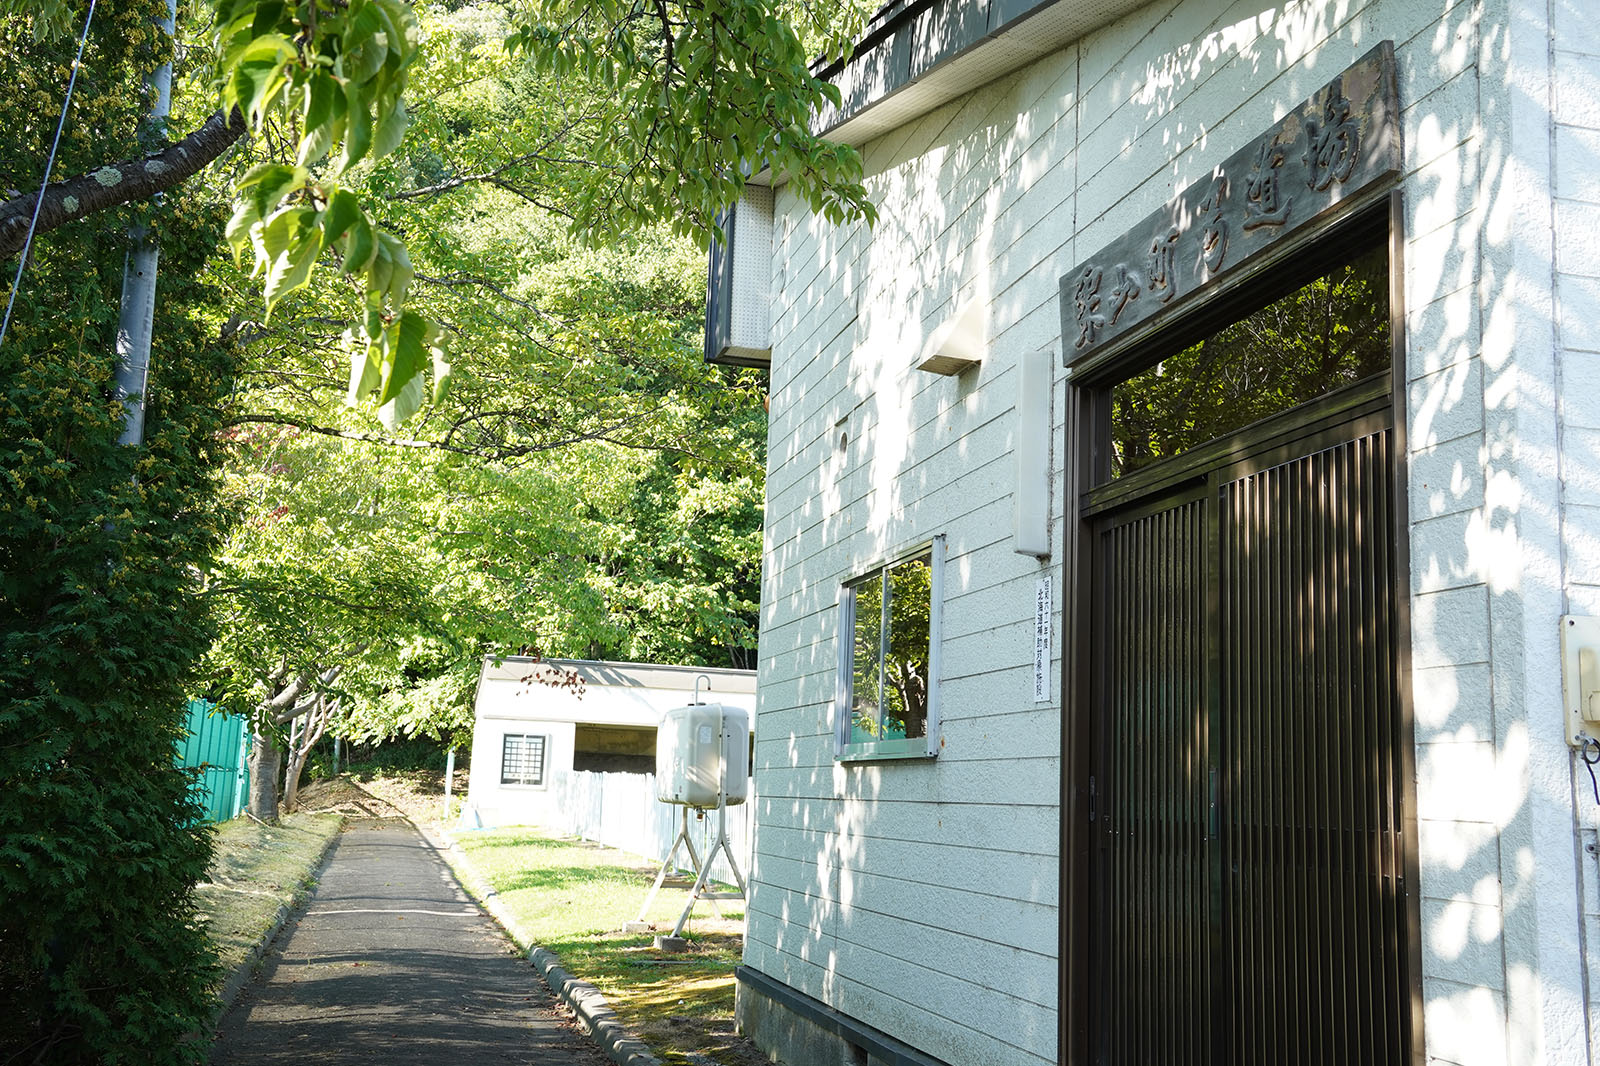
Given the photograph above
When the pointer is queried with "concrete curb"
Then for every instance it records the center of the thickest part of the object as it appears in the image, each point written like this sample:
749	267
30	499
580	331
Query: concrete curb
243	973
585	1001
592	1010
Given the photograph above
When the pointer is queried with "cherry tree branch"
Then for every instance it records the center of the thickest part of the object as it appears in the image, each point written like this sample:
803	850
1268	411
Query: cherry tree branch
118	183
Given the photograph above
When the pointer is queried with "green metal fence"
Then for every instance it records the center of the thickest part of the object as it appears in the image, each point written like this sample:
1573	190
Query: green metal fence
216	744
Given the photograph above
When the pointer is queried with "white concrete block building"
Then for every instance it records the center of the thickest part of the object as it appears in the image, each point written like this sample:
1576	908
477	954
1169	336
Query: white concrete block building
542	726
1176	506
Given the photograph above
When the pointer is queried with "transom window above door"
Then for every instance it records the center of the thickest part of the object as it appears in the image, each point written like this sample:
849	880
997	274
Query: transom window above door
1322	335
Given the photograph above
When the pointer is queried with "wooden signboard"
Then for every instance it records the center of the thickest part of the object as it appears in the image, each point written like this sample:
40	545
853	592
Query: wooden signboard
1339	143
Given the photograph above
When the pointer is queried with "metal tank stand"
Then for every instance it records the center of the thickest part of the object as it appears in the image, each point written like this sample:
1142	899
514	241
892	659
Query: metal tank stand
676	942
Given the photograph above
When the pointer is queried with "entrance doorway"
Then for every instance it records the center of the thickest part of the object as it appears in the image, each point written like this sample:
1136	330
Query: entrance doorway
1249	866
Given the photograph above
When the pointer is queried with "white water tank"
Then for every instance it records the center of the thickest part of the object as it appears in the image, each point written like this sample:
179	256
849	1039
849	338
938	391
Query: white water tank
691	765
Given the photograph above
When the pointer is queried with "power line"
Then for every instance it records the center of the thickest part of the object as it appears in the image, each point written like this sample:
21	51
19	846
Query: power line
16	283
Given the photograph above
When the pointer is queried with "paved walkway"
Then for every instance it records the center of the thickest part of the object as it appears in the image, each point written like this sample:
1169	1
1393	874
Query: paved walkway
393	963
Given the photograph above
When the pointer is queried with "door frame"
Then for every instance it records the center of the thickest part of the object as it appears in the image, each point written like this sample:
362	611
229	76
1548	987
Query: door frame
1363	221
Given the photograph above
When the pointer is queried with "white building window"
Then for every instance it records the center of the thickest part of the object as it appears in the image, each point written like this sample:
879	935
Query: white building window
522	759
887	705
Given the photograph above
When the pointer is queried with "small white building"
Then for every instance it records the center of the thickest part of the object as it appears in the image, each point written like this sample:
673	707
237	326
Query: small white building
1182	508
540	722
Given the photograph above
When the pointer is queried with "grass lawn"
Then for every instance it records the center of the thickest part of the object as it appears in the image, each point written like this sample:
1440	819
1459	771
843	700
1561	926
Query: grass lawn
254	870
572	898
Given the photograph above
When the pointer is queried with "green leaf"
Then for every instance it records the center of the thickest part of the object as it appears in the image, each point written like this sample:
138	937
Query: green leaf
366	45
316	142
398	280
364	373
294	243
317	119
391	128
238	232
441	375
343	209
249	45
269	13
272	238
257	75
320	92
293	270
266	184
359	247
405	404
408	357
380	270
358	131
404	33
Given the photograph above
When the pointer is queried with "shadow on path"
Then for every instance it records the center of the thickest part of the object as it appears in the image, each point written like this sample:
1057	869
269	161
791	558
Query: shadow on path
392	962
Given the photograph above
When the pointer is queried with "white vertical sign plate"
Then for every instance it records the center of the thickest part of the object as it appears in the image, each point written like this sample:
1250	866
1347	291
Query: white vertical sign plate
1041	642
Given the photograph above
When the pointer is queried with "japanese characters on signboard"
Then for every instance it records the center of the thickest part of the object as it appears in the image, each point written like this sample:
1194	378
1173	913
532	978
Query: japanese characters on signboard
1339	143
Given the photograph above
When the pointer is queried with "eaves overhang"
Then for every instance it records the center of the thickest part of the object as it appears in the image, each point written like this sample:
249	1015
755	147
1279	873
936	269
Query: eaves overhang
622	674
919	54
914	56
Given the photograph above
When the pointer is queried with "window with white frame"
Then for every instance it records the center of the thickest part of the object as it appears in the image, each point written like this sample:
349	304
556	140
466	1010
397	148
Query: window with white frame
888	693
522	759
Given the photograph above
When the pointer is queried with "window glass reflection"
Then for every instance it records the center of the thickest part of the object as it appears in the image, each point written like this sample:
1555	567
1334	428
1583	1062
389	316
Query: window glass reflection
890	672
1330	333
867	666
905	660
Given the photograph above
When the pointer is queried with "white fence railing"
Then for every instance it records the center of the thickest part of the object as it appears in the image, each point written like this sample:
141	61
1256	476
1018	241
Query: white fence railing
621	811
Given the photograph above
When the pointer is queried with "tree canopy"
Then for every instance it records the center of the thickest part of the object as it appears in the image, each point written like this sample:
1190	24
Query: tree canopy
588	487
650	115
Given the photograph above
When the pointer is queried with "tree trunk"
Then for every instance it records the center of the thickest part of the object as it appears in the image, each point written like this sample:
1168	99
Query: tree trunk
291	781
266	759
311	730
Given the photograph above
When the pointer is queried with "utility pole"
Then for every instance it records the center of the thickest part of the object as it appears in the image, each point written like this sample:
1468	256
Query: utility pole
138	307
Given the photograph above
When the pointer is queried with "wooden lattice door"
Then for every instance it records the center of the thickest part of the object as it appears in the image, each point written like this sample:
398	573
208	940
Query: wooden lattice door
1246	895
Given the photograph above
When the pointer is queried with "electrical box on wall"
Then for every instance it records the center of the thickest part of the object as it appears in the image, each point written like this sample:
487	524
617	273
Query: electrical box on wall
1580	677
1031	508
